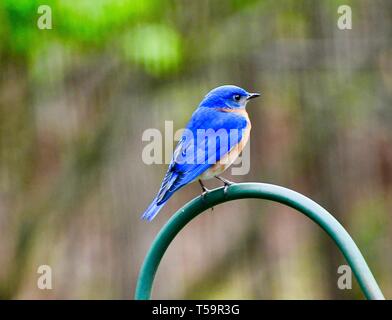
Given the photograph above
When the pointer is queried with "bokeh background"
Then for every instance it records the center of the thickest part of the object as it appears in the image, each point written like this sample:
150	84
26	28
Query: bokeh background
75	101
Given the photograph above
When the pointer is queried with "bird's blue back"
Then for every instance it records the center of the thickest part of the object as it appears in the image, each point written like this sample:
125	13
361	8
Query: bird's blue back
192	156
205	152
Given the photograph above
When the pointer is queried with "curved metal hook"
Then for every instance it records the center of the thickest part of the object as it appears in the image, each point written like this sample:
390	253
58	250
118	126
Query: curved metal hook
271	192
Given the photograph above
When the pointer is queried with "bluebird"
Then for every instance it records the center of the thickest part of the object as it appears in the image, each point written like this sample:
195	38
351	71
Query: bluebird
213	138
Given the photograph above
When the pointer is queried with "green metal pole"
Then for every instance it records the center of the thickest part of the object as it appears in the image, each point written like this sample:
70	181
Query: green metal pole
275	193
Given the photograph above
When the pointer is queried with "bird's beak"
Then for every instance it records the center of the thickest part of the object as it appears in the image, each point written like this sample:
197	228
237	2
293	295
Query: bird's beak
252	96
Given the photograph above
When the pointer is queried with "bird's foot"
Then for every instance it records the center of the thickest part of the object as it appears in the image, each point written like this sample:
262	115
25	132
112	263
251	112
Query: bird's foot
205	191
226	183
204	194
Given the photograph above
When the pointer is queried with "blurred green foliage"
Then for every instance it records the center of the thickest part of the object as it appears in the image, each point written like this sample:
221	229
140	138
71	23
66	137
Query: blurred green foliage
90	25
75	100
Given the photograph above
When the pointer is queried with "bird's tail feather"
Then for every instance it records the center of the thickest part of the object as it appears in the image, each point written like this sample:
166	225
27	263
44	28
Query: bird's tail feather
163	195
152	210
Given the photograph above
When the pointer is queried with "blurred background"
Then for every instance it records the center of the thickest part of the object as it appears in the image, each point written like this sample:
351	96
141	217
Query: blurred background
76	99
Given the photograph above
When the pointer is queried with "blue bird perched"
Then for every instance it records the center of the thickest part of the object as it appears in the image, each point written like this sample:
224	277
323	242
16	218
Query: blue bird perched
213	138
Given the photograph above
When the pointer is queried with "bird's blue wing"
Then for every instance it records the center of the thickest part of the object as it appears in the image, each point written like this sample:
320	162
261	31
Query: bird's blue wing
194	153
209	135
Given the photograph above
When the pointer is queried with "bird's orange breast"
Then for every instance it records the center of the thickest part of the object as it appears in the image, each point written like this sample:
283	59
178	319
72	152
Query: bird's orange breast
234	152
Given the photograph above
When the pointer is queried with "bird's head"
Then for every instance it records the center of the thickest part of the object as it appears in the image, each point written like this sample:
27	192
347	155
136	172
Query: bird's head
228	97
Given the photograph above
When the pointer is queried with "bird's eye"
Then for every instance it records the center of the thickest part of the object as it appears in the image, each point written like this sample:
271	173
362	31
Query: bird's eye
237	97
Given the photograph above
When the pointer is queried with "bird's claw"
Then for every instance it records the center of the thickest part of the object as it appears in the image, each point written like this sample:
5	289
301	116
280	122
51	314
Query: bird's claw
227	185
203	195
